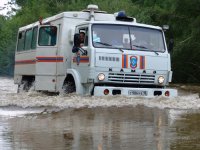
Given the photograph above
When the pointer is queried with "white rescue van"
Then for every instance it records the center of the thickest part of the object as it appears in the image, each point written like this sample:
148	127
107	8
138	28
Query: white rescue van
118	55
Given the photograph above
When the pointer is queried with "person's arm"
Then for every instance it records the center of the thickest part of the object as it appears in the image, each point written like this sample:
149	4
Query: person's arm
40	20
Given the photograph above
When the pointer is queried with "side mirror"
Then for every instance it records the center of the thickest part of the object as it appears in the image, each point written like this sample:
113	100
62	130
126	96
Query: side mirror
77	40
171	45
165	27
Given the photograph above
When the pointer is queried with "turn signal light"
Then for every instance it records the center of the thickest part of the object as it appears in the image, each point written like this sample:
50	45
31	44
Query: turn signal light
167	93
106	92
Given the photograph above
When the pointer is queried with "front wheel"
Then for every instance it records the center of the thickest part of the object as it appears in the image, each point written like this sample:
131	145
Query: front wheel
69	87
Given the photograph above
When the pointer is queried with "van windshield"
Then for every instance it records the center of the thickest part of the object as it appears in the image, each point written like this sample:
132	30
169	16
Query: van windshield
127	37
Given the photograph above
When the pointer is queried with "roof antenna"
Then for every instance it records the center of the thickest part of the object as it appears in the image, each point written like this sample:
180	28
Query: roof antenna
92	9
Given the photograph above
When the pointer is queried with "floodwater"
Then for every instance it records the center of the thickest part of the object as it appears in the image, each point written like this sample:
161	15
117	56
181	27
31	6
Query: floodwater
37	121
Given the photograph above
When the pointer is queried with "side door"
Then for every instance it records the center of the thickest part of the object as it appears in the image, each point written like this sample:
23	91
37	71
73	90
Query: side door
81	60
83	49
47	58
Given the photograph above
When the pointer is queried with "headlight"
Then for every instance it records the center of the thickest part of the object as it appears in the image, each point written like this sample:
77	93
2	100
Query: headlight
101	77
161	79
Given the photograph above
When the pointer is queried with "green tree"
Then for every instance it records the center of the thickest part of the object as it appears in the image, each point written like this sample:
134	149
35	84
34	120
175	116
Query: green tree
183	16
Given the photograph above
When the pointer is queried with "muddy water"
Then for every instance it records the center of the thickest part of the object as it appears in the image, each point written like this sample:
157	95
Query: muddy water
38	121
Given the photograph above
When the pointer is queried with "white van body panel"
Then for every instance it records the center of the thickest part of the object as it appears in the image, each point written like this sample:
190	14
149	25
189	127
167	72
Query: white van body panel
49	66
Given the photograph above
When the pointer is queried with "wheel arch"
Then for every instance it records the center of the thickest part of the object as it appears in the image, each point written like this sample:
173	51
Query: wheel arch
72	74
28	78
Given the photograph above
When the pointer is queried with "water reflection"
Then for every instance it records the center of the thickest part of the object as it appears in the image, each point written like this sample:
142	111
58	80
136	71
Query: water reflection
188	133
89	128
35	121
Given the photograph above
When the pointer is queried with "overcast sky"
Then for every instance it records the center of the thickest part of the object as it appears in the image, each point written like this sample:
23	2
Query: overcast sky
2	2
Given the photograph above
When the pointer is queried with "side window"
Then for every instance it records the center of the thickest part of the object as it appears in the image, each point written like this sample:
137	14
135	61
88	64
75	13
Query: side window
34	38
28	39
84	36
21	37
47	36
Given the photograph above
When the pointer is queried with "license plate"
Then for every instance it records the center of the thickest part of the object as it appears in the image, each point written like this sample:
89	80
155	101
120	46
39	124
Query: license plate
137	92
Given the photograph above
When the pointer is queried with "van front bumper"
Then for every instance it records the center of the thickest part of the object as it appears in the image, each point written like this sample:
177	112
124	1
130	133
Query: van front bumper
145	92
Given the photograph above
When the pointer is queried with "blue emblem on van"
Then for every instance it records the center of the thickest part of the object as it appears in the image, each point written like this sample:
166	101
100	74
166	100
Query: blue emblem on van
133	62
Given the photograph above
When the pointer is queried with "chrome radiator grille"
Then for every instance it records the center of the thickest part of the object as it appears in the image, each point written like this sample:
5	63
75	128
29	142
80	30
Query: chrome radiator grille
131	78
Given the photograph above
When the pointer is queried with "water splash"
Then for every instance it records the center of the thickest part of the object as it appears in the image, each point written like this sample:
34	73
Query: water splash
32	99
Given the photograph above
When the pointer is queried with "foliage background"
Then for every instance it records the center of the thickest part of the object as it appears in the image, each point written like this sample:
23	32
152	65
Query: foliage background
183	16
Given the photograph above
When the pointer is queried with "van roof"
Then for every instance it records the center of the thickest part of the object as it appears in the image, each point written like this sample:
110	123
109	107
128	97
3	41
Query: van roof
100	17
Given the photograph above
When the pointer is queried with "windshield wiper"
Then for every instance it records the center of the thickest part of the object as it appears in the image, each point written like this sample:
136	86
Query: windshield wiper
106	44
138	46
121	50
154	52
143	47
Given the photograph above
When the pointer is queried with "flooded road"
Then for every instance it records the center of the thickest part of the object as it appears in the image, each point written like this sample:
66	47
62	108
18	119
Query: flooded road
37	121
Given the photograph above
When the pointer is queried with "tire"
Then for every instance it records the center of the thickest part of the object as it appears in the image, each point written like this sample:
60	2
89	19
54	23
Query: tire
24	86
69	87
